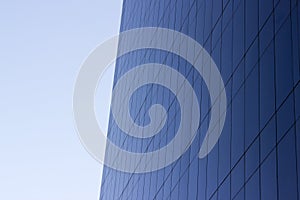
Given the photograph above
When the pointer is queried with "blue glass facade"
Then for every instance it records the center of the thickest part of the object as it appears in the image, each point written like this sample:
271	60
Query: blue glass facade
256	46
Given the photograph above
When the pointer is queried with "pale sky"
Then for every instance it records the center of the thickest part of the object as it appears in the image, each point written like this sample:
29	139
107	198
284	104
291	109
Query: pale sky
42	45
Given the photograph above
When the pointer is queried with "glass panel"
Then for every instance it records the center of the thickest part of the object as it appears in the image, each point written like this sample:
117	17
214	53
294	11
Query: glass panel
268	177
287	176
252	189
237	177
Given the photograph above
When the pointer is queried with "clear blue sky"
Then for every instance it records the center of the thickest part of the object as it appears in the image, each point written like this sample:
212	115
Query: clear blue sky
42	45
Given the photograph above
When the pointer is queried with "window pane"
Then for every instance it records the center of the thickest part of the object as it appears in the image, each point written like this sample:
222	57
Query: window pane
268	177
287	176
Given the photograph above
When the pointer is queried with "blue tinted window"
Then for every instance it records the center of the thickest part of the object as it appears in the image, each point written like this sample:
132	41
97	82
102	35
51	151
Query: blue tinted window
238	35
168	183
215	196
297	100
226	2
266	34
252	187
224	190
208	19
252	159
237	177
237	4
238	126
200	22
217	9
285	117
238	78
212	171
202	179
240	195
268	177
298	152
251	10
267	86
224	153
287	176
284	77
268	138
251	57
227	14
175	192
251	107
155	180
265	8
281	13
183	184
216	54
227	53
193	179
296	46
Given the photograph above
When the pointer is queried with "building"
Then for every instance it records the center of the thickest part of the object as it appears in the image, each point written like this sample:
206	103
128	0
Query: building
256	46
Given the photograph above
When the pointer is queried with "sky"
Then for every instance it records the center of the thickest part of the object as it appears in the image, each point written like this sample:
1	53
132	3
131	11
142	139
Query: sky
42	46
